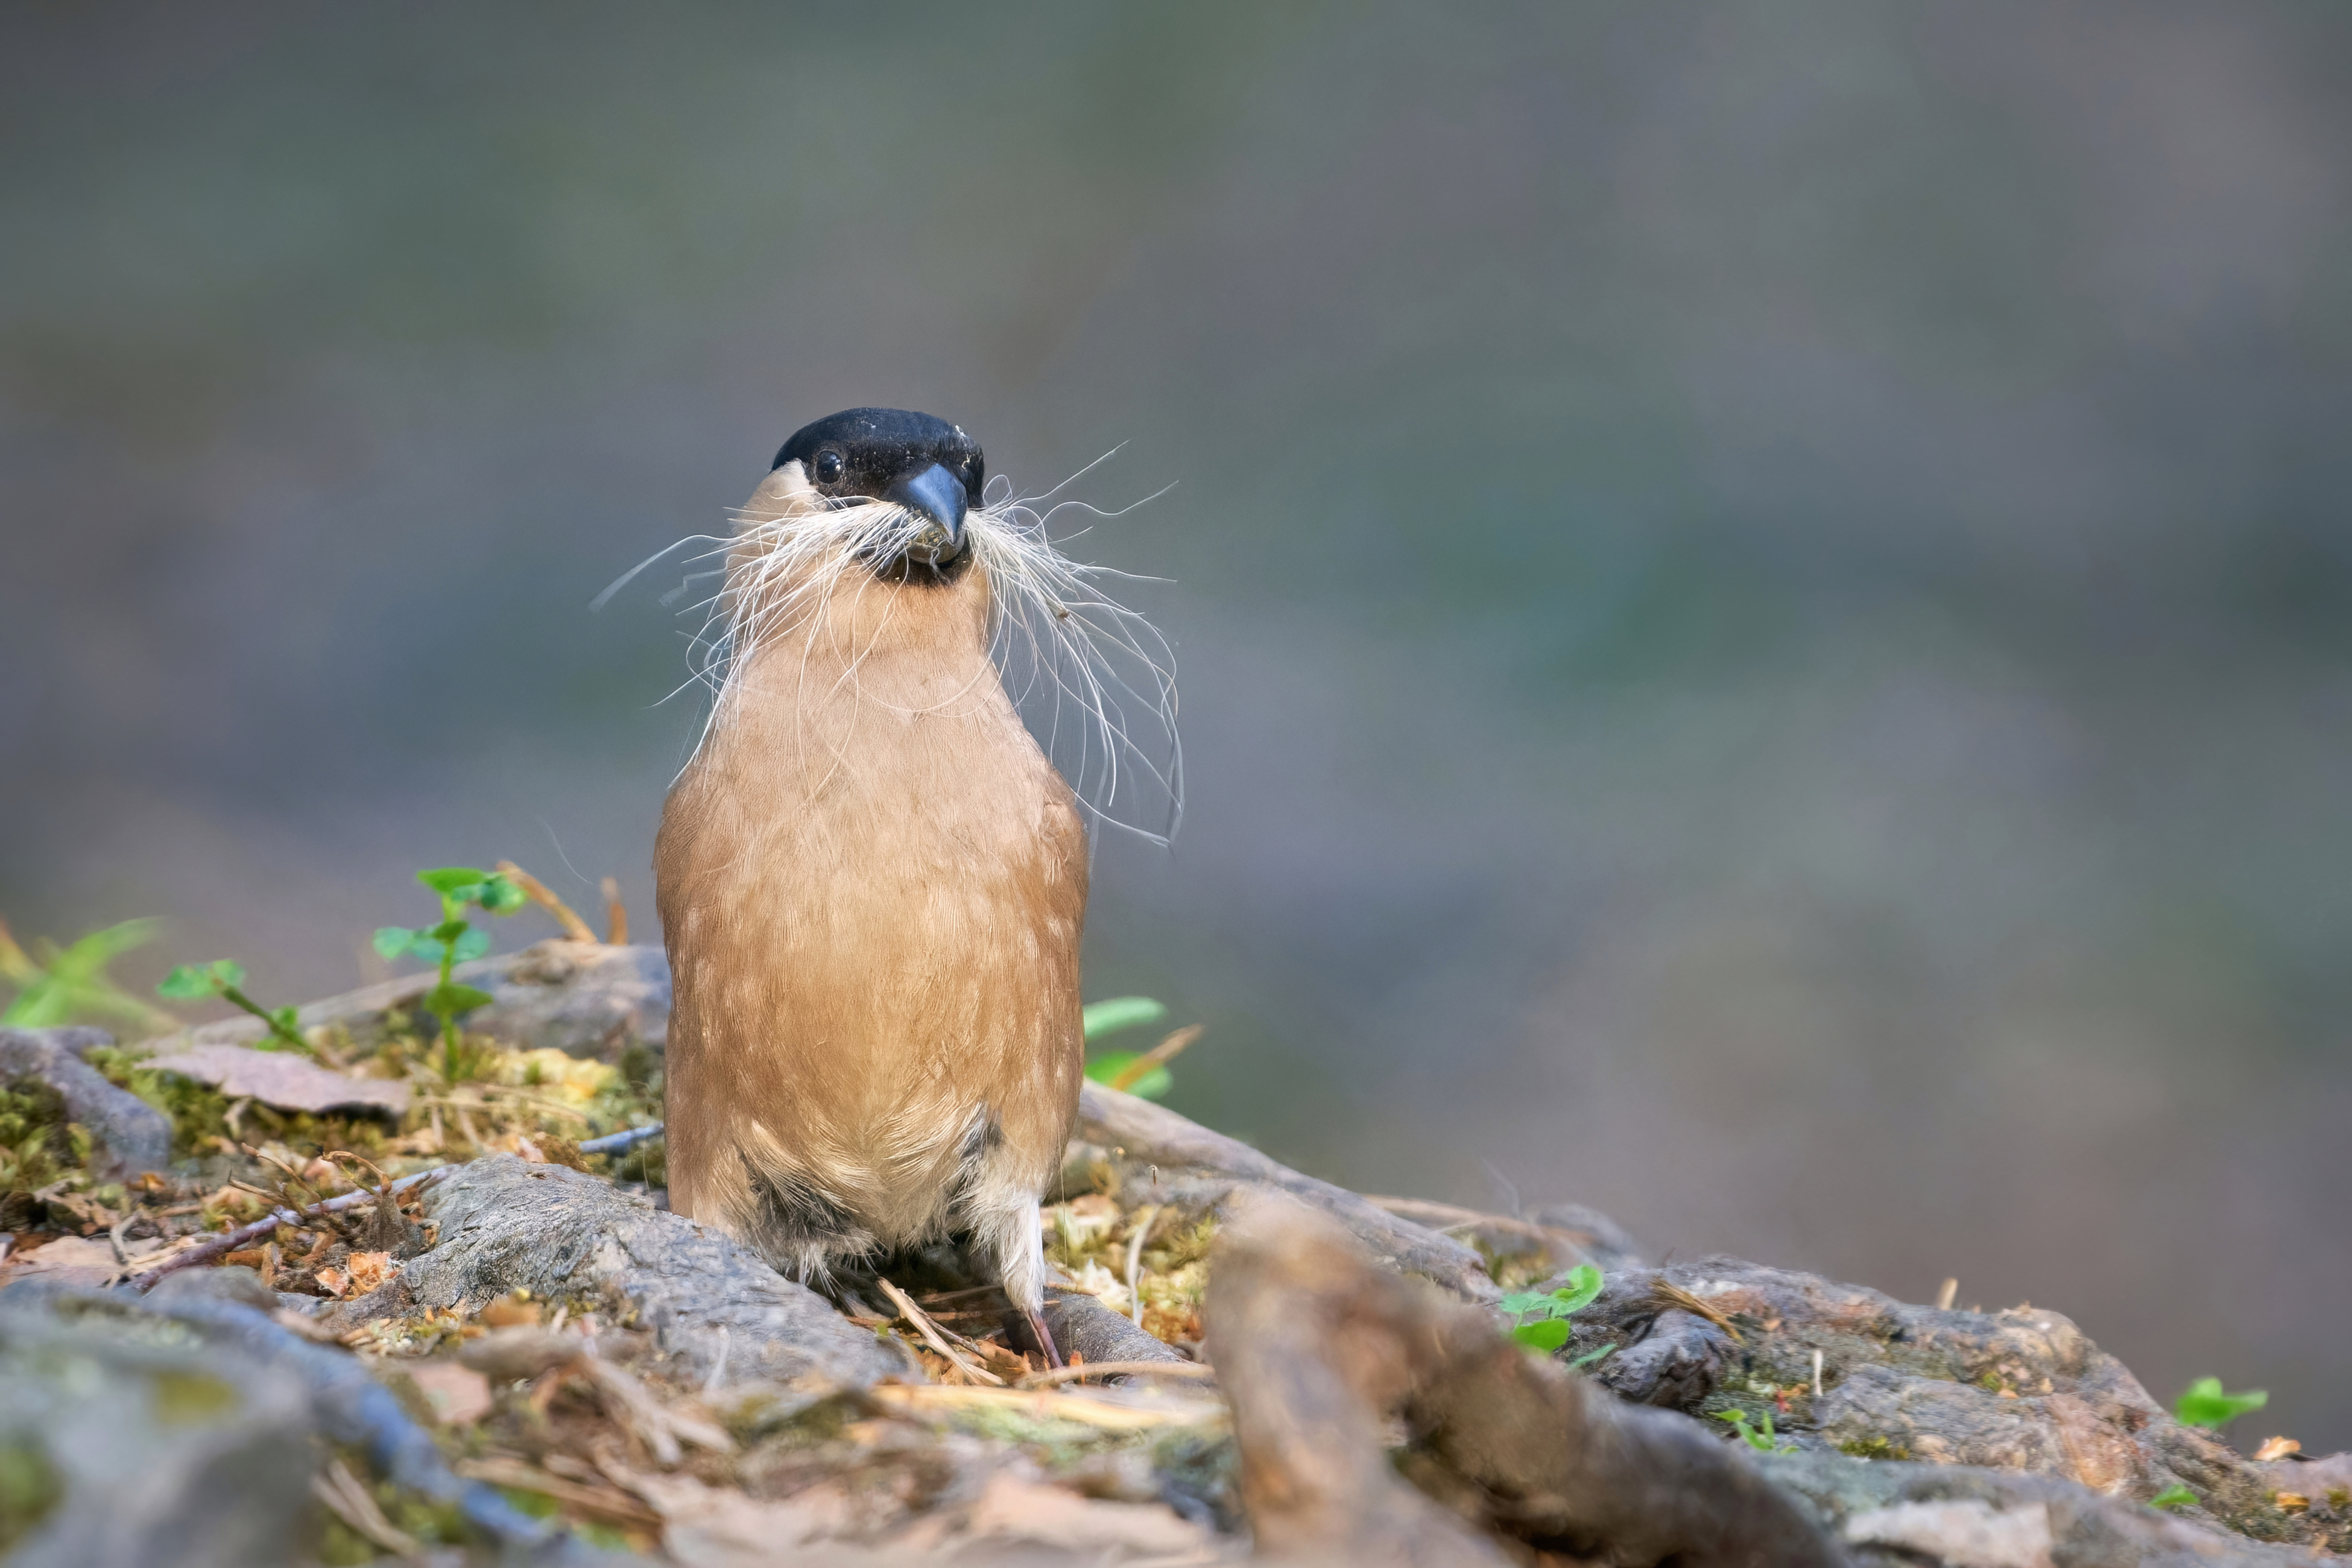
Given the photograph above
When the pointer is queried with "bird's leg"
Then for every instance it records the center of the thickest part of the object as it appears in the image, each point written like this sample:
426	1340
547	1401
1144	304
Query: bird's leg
1044	1337
1008	1234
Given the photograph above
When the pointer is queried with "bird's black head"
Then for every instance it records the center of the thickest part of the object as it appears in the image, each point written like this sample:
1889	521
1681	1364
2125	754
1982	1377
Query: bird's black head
927	465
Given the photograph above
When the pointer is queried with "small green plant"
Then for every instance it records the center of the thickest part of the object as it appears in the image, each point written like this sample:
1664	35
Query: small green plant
454	941
1542	1315
55	986
2172	1496
225	979
1761	1438
2204	1404
1120	1069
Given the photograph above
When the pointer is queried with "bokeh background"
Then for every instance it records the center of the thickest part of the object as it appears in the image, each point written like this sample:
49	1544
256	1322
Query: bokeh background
1764	593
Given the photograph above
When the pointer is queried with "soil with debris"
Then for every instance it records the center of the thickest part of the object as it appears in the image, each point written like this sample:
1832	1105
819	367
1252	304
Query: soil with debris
379	1302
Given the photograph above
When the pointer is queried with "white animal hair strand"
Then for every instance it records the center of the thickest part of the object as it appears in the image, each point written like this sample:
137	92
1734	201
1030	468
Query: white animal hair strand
1095	678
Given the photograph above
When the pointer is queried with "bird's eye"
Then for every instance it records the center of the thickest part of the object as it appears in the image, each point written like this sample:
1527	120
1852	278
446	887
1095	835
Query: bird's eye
827	469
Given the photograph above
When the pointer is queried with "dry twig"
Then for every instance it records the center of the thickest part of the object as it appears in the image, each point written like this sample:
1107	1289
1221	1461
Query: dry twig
1159	1054
662	1428
231	1240
616	914
932	1336
352	1504
604	1502
1192	1371
1143	1224
916	1399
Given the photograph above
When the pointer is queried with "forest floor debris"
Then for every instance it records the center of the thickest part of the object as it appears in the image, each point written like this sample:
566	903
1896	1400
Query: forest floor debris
608	1378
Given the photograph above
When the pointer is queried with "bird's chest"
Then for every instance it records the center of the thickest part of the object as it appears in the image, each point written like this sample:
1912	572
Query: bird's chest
907	832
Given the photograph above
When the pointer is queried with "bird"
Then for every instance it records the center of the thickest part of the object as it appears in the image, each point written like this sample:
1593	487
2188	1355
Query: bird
872	881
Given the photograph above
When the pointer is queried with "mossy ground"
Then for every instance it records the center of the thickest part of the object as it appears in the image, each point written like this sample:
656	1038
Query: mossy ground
233	1160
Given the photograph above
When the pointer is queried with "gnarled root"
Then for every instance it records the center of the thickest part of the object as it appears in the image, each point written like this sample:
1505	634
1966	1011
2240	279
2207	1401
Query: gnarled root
1318	1349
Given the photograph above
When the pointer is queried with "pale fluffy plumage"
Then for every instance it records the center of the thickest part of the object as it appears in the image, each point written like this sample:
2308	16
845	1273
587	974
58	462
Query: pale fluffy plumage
873	885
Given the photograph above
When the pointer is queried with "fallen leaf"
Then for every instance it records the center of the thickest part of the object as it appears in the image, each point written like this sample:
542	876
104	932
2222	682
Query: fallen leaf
1013	1508
518	1353
370	1269
458	1395
281	1079
68	1260
705	1527
917	1400
332	1281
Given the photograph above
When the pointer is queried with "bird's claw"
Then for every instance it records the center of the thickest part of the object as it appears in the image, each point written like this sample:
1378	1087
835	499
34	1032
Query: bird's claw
1044	1338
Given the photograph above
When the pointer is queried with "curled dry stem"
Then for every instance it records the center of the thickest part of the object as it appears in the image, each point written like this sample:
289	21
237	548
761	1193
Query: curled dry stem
537	892
1161	1054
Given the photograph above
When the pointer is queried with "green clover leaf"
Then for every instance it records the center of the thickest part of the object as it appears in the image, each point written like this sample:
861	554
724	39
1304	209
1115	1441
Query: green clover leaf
1582	1286
1547	1334
186	983
2204	1403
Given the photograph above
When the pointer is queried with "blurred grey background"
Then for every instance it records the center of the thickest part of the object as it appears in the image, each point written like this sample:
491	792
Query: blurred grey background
1764	593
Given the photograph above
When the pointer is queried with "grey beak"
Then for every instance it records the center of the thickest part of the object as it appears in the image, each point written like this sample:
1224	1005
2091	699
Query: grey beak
937	495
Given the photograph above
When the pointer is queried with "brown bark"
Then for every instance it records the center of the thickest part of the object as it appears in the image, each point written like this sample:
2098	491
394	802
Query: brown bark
1319	1348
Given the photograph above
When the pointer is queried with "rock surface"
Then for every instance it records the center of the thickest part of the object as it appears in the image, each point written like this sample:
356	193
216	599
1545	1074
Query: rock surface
2020	1390
142	1444
561	1234
585	999
1179	1161
1901	1515
130	1136
1916	1436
